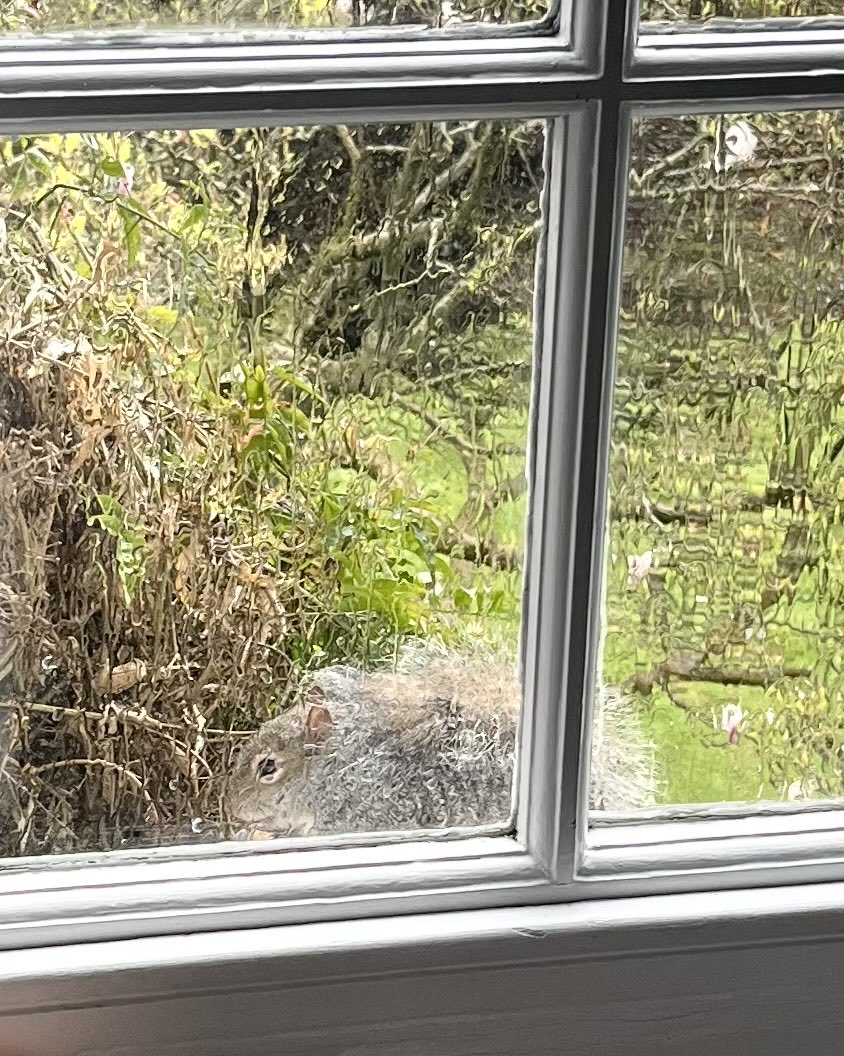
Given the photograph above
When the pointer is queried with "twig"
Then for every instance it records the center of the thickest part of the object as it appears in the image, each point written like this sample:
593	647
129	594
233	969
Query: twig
127	715
106	764
59	270
688	670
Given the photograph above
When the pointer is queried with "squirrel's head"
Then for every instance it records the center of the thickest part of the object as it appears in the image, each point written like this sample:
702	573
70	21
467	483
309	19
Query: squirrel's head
265	789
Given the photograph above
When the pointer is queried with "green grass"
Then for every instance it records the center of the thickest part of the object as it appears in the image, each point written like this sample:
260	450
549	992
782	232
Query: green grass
696	762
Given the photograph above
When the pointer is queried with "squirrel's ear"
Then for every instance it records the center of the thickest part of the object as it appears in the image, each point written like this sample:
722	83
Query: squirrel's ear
317	725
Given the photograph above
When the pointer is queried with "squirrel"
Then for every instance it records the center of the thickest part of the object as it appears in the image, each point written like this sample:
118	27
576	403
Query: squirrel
430	744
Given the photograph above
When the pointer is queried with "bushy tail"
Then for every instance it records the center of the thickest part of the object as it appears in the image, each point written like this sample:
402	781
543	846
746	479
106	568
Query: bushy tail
623	772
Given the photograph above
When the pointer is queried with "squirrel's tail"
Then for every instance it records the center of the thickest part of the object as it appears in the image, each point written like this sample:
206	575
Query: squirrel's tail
623	771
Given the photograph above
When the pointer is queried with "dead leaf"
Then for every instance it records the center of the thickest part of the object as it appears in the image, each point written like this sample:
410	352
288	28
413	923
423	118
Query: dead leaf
262	834
106	251
86	449
120	678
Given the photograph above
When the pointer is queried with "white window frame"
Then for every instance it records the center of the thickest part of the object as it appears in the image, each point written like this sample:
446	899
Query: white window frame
589	76
123	893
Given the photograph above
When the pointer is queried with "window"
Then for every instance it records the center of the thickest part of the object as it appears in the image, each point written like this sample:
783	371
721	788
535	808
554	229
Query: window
325	344
734	637
292	368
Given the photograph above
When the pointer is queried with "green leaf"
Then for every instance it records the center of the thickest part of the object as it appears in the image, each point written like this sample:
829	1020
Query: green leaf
463	600
442	565
135	206
162	316
112	168
198	215
131	234
110	506
281	374
130	550
253	390
296	419
37	160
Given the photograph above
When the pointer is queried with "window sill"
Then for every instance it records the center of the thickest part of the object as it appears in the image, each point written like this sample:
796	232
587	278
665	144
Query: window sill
744	972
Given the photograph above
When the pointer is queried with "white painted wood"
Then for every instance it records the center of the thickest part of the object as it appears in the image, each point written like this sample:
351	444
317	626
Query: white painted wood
773	51
718	975
759	840
79	903
550	755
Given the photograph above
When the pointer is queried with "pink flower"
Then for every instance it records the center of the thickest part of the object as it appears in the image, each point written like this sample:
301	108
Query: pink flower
638	566
127	181
731	719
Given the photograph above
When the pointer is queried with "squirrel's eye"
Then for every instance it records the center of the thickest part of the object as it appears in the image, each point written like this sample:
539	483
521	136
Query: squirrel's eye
266	768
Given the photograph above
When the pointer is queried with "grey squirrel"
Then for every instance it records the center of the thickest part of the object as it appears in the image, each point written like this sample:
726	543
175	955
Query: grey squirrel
430	744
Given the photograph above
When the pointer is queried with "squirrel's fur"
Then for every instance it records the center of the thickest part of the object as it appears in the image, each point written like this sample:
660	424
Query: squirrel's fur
430	744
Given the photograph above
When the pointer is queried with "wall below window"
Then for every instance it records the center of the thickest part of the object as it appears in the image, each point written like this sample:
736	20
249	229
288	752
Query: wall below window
731	974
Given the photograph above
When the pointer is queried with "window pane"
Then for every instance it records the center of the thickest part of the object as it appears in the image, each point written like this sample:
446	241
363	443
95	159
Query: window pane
723	612
263	408
706	10
41	16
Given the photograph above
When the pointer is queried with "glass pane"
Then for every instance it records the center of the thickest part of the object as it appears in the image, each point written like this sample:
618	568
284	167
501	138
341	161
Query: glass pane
707	10
45	16
723	613
264	399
